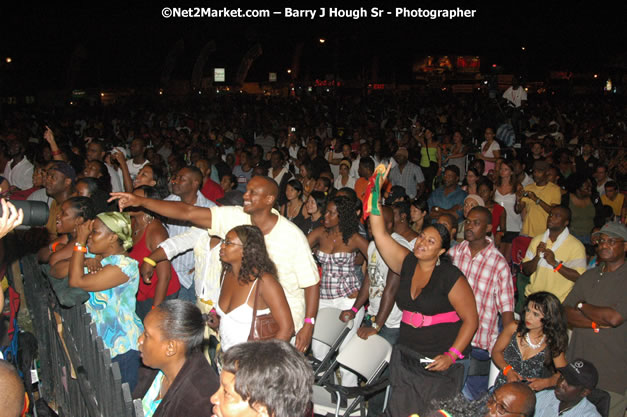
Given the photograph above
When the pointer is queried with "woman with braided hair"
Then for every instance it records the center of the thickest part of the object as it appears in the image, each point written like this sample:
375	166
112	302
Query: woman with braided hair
337	241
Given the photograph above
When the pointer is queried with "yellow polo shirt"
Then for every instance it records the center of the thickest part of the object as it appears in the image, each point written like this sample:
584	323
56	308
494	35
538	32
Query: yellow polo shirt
571	252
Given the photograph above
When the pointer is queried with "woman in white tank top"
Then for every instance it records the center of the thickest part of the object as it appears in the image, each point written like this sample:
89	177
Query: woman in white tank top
505	195
246	265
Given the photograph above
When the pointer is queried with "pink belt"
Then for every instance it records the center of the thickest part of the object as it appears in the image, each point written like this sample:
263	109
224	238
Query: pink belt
420	320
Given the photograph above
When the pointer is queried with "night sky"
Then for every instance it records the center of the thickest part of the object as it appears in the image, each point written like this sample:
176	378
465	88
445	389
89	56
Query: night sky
127	45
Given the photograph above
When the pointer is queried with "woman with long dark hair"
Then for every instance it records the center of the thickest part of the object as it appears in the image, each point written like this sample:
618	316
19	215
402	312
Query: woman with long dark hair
534	348
293	209
313	212
338	241
506	188
247	270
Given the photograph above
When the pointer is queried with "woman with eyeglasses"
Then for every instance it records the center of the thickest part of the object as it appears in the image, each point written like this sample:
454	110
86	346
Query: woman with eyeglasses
532	349
248	273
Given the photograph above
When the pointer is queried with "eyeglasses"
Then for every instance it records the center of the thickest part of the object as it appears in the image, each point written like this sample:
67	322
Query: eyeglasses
610	242
501	410
228	243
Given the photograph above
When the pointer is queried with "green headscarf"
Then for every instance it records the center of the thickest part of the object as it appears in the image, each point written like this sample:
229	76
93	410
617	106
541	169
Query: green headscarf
120	224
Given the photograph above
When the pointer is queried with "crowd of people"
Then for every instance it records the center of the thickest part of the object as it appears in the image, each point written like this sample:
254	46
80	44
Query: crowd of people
237	219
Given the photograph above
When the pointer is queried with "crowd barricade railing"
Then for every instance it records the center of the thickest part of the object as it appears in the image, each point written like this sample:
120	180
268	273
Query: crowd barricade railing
77	377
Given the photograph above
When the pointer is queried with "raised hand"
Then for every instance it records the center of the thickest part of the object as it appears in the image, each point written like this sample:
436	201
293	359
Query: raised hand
125	200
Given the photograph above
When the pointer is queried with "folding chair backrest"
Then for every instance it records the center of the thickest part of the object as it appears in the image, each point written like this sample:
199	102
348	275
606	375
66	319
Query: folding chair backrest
329	328
366	357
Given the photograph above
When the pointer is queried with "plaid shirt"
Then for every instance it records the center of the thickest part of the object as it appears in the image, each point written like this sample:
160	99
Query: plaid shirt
338	275
491	280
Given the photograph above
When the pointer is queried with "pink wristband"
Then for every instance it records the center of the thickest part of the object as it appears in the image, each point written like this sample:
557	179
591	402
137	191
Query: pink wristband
354	310
450	355
456	352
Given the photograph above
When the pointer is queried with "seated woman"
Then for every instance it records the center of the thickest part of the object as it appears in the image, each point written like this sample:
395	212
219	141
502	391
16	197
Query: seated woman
74	212
249	275
148	233
338	241
112	289
171	341
534	348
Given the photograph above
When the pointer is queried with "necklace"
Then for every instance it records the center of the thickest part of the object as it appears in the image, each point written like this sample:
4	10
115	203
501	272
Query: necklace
532	345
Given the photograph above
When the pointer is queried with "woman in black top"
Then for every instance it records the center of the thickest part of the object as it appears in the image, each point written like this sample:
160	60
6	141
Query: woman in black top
433	287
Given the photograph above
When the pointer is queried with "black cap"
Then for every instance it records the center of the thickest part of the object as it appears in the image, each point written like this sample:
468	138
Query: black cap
580	373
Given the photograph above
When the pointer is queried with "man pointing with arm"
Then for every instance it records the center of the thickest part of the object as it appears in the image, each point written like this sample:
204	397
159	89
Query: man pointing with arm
286	244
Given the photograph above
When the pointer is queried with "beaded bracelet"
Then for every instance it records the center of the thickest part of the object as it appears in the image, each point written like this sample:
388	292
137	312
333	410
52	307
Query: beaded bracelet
456	352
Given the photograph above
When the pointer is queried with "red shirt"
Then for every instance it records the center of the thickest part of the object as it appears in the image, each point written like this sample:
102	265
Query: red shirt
212	190
147	291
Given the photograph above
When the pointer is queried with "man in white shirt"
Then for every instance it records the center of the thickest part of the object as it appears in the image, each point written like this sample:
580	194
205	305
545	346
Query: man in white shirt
286	244
186	188
19	170
515	95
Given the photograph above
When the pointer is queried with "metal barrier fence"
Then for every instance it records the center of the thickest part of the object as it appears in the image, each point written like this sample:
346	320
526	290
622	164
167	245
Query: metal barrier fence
77	376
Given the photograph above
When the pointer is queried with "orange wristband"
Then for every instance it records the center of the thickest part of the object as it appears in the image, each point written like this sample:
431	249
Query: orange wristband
53	247
595	327
80	248
557	268
507	369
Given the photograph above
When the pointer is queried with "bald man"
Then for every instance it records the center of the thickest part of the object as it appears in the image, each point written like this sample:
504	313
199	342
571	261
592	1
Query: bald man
286	244
514	399
11	391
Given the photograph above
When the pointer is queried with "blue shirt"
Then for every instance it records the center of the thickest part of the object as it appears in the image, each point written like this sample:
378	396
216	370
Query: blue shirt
547	405
439	199
113	310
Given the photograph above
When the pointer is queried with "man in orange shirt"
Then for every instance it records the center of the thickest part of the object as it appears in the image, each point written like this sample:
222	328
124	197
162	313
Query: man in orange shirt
366	169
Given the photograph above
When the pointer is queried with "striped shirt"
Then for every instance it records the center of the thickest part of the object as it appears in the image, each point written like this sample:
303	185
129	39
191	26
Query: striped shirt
490	278
184	264
408	178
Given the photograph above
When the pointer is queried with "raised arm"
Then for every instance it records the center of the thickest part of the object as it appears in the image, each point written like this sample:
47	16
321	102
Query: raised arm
177	210
126	175
108	277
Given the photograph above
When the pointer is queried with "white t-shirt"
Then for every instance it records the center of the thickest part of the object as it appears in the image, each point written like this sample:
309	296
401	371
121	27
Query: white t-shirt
288	248
515	97
350	183
377	274
133	168
21	175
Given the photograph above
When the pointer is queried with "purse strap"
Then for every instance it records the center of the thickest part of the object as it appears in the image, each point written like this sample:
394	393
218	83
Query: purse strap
251	334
